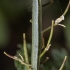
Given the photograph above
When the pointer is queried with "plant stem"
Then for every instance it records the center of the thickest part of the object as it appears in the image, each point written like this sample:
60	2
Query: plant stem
51	33
25	50
48	28
50	2
67	8
36	33
65	12
63	63
49	40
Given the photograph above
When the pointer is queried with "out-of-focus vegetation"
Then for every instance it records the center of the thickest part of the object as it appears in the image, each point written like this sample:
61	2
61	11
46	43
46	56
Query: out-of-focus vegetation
4	29
14	21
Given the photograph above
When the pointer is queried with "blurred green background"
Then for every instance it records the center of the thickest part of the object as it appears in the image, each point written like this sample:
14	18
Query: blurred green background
15	18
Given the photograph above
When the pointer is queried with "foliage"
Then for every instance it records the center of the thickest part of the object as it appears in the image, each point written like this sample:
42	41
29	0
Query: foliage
18	65
57	59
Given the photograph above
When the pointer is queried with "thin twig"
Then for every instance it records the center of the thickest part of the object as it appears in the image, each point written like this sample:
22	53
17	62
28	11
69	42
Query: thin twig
62	25
12	57
67	8
21	57
49	40
51	26
45	60
51	1
51	33
60	18
63	63
25	50
16	58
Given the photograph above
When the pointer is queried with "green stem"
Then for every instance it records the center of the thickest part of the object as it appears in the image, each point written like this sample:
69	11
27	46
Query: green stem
48	28
25	50
49	40
63	63
66	10
48	3
51	33
36	33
